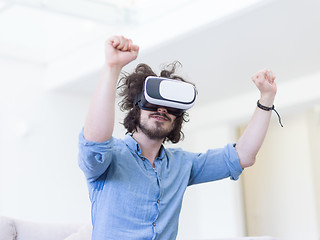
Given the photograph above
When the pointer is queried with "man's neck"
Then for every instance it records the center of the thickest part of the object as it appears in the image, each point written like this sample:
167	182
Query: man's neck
149	147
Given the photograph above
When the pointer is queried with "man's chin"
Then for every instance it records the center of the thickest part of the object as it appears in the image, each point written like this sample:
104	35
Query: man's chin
155	134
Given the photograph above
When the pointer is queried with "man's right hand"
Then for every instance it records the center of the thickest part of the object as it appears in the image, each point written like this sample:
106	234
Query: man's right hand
119	51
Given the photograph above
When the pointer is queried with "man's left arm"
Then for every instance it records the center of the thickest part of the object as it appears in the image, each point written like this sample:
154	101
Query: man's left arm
252	138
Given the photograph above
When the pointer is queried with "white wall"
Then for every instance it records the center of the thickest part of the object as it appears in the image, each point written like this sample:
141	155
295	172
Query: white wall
280	191
39	178
211	210
313	122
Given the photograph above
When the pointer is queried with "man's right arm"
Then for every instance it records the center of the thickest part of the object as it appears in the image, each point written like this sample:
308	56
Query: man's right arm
99	124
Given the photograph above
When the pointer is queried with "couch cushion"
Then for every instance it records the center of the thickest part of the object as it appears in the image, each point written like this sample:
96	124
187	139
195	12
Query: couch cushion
248	238
84	233
7	229
27	230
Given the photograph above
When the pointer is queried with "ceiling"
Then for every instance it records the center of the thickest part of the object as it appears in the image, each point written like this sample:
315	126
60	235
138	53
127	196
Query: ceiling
221	56
44	31
219	43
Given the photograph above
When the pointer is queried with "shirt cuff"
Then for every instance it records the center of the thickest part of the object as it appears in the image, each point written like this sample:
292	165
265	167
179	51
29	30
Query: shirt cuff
234	162
85	142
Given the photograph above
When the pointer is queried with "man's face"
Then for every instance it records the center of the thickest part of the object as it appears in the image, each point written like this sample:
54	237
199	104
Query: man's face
156	124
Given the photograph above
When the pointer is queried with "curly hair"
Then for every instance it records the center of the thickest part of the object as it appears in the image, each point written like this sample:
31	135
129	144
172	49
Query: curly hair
131	85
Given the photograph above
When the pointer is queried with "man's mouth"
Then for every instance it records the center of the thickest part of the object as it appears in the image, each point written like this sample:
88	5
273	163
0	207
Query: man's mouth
160	117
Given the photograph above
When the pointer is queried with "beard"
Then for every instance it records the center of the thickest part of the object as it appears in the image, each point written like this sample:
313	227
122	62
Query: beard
158	132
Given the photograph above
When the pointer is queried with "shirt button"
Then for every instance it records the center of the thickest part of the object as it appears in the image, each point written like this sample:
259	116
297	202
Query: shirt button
158	200
154	224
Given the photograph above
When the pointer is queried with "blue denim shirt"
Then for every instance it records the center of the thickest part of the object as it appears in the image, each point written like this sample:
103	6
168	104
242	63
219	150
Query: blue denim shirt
131	199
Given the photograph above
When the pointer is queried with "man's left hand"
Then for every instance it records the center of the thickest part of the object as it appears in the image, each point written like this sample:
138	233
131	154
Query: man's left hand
264	80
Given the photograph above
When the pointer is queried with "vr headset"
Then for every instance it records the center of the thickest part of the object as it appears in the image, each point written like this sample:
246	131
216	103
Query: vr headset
174	95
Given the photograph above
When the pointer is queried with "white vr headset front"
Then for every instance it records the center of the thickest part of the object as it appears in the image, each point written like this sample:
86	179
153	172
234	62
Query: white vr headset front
175	95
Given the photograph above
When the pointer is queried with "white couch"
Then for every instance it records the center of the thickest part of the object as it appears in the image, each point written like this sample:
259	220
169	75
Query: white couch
13	229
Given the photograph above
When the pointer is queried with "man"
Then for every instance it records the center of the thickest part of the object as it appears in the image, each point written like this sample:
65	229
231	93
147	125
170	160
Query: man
136	185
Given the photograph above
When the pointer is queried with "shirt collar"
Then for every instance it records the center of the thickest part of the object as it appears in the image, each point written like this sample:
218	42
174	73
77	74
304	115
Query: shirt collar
134	146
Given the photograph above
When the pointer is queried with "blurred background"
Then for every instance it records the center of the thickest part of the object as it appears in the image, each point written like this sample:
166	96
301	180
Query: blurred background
51	53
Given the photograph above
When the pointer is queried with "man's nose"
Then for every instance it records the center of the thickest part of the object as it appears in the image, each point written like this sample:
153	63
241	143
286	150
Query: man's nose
162	110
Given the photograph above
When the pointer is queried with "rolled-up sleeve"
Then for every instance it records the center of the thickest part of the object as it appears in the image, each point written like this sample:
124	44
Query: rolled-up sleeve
216	164
94	157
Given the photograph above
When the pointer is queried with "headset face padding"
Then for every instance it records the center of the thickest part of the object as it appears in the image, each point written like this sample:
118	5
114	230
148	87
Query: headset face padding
176	96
